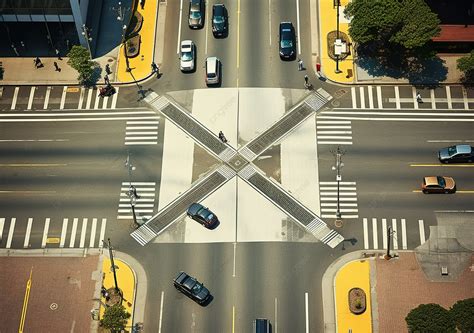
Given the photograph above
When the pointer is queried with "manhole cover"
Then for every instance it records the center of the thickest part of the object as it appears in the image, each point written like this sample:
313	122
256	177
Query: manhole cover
53	306
335	103
340	93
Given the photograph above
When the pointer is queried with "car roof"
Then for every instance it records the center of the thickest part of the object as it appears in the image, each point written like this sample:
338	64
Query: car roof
463	149
195	2
431	180
219	6
286	25
211	61
186	43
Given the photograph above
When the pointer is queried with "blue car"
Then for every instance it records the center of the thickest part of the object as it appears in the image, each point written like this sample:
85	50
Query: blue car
202	215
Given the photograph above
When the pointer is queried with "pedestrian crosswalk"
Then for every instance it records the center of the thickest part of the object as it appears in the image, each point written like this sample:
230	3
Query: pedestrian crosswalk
75	232
347	199
334	132
380	229
141	132
143	203
38	98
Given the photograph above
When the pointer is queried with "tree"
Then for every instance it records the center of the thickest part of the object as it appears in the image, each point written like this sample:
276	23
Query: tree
115	318
430	318
79	59
466	65
463	312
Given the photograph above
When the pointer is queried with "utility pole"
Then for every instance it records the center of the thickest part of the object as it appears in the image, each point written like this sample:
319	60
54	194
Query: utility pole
111	255
86	32
387	256
337	71
338	153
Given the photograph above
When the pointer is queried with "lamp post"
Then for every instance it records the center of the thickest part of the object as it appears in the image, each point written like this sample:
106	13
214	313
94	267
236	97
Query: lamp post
86	33
388	256
338	3
109	246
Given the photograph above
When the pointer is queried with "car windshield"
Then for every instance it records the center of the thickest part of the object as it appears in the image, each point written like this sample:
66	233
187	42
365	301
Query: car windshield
210	217
441	181
186	56
197	288
218	19
286	41
195	15
452	150
211	75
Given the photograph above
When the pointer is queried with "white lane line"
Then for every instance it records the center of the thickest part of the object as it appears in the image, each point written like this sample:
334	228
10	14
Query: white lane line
104	104
448	97
404	234
97	100
379	97
83	233
138	183
140	133
233	266
333	122
81	98
397	97
469	119
131	122
63	233
46	98
394	235
179	25
421	226
371	97
362	97
270	21
276	316
354	97
464	98
28	232
207	27
374	233
141	143
32	97
73	232
366	234
15	97
415	101
2	224
161	310
324	127
114	98
433	99
102	231
89	98
93	227
63	98
298	25
384	233
306	311
136	138
10	232
45	232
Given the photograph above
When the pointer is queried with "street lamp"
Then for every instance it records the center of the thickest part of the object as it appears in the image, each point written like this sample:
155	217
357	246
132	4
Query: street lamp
337	71
390	232
109	246
86	33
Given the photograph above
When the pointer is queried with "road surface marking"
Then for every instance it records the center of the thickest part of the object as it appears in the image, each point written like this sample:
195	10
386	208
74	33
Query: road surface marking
464	97
83	232
379	97
28	232
404	234
448	97
46	98
63	233
415	100
93	227
35	165
238	39
15	97
394	234
233	318
450	140
161	311
31	98
444	165
114	98
298	25
371	97
104	104
233	269
102	230
10	232
73	232
362	97
179	25
276	316
53	240
422	231
374	233
45	232
207	26
397	97
25	303
270	21
89	98
306	311
2	224
354	97
81	98
433	99
97	100
63	98
384	233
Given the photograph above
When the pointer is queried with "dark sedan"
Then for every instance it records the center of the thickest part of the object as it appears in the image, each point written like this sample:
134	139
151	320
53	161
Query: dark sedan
458	153
219	20
196	14
191	288
287	41
202	215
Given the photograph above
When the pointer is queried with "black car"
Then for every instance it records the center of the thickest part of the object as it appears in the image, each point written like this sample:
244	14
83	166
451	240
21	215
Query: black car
287	41
220	23
202	215
196	14
191	288
458	153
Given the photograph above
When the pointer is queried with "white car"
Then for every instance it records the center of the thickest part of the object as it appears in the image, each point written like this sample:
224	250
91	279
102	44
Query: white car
187	56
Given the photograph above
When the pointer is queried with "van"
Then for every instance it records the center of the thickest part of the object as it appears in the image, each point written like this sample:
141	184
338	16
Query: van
212	70
261	325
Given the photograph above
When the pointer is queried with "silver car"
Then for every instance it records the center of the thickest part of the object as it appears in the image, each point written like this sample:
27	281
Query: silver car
187	56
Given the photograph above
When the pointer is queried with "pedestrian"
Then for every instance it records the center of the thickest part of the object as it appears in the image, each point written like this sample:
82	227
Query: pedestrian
106	79
155	69
57	54
37	62
56	67
142	4
418	97
107	69
300	64
306	80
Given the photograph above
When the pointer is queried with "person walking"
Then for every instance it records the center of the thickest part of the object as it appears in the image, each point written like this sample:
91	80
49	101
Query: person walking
37	62
56	67
418	97
300	64
57	54
106	79
107	69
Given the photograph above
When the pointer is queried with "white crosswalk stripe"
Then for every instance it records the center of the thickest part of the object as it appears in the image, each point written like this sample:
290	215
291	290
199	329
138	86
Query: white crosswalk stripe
347	199
334	132
143	205
141	132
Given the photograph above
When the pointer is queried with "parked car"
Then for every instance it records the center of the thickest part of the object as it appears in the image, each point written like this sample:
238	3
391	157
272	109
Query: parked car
187	56
196	14
287	41
220	22
213	70
458	153
261	325
202	215
438	184
191	287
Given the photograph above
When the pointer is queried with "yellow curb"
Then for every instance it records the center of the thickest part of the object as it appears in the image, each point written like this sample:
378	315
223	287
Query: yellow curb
355	274
126	283
141	64
328	24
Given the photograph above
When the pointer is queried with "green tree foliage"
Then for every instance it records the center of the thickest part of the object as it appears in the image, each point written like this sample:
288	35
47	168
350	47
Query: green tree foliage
430	318
79	59
463	311
466	65
115	318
